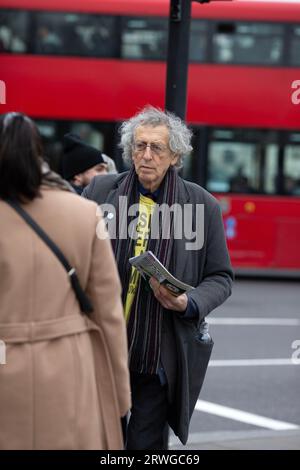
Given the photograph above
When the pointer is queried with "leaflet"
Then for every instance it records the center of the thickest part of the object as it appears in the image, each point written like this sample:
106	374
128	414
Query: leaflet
148	265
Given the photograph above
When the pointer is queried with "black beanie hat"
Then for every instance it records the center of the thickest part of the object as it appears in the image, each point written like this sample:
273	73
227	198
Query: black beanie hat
78	156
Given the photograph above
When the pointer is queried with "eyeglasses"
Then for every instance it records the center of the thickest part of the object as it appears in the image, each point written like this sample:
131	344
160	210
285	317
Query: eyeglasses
157	149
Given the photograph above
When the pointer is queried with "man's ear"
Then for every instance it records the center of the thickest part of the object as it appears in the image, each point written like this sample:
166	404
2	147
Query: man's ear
174	159
77	180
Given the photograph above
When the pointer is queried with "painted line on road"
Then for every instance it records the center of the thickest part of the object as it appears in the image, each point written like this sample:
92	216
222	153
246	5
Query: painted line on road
254	321
243	416
219	437
253	362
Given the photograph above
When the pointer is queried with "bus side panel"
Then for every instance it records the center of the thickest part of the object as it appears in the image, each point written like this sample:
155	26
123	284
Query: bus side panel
263	232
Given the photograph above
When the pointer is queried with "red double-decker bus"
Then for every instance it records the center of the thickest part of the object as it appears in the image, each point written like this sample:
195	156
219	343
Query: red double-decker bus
86	66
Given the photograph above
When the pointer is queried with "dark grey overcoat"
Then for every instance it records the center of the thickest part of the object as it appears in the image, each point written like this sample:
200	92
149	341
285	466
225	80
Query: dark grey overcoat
208	269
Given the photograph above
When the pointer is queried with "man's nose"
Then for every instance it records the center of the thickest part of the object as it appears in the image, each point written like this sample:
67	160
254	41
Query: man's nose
147	153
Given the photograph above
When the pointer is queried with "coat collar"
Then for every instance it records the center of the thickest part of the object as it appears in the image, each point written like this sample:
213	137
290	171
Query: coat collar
183	194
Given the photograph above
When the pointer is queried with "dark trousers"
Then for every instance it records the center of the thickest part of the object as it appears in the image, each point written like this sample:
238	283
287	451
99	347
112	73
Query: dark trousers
147	427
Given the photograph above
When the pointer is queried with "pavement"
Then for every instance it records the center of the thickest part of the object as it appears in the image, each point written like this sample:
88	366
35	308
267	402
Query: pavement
240	440
250	397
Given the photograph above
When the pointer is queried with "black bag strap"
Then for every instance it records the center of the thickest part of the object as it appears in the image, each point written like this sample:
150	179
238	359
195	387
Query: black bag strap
84	302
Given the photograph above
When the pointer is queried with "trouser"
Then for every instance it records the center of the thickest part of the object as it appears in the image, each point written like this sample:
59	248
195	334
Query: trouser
147	428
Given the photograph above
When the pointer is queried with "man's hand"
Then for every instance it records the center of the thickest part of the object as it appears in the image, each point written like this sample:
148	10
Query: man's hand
166	299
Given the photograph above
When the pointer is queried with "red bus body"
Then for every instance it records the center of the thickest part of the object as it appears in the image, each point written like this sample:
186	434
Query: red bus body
267	228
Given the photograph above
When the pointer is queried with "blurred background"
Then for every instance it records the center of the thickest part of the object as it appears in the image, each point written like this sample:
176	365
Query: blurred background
84	67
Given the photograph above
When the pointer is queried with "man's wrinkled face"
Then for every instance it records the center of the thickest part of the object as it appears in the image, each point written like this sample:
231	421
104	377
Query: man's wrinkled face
151	155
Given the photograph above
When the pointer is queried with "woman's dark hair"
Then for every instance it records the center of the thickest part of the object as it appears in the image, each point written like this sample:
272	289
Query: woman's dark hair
20	157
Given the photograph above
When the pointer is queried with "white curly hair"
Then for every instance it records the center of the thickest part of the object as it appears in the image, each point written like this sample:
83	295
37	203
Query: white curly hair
179	134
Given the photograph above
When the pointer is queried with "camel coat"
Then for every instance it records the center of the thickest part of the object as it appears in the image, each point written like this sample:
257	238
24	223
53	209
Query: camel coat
65	383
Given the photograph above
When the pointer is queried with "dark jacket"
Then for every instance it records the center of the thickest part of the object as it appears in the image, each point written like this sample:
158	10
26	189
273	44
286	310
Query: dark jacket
208	269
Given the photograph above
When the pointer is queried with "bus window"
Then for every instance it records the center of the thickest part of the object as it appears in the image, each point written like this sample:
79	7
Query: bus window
49	33
98	134
198	41
291	168
187	167
47	129
52	146
89	134
270	185
242	161
248	43
76	34
144	38
295	46
13	31
231	167
101	32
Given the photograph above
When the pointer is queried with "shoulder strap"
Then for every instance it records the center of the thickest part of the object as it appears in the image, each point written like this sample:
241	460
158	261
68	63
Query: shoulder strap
83	300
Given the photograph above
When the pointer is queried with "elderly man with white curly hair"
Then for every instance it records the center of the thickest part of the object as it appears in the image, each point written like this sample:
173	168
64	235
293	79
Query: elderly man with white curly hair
168	356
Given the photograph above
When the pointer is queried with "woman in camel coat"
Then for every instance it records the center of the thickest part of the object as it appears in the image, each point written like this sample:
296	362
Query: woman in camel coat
65	383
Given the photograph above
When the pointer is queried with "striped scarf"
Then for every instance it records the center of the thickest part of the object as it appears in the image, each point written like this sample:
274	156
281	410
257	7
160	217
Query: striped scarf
145	320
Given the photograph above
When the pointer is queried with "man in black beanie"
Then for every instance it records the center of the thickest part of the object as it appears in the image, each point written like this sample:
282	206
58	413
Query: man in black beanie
80	162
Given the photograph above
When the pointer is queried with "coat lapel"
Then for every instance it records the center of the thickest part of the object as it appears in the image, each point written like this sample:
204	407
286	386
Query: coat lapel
180	258
116	190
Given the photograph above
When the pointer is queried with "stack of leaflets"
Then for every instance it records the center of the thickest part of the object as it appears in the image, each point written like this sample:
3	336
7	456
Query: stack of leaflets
148	265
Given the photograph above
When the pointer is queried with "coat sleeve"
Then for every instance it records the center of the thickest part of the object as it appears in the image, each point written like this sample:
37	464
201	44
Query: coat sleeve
104	290
99	187
217	275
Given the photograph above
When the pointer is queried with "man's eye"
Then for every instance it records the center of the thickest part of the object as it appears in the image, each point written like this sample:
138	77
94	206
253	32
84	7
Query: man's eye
156	148
140	146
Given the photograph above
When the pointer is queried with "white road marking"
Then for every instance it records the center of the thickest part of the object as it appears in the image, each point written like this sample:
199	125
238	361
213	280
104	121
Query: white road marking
243	416
254	321
253	362
216	437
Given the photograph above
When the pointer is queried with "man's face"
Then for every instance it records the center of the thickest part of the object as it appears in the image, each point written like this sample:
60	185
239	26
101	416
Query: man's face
83	179
151	155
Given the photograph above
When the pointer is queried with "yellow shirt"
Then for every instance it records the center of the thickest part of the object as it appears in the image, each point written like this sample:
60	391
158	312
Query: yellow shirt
146	208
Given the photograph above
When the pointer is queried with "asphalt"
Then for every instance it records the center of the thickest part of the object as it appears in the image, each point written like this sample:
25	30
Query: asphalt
240	440
267	391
